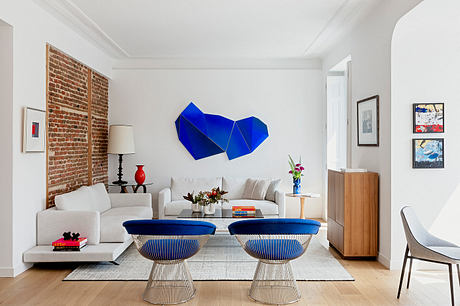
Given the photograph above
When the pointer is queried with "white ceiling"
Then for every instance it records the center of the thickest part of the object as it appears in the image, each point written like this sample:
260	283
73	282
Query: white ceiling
209	28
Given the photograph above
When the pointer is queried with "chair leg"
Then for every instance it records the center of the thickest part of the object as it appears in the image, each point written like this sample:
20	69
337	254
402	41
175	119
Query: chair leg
458	273
409	273
451	280
403	270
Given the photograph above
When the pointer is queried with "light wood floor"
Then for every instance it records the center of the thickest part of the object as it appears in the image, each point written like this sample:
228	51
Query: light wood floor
373	285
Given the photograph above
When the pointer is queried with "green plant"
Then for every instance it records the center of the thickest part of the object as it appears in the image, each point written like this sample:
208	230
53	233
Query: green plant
296	169
194	198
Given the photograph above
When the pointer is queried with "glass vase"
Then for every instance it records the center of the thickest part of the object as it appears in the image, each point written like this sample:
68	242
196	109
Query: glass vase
210	209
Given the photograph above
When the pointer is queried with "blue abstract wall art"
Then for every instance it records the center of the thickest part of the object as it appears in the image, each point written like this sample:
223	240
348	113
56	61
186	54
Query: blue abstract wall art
204	135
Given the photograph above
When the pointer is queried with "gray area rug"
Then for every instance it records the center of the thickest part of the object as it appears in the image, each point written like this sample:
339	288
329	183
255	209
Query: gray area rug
222	258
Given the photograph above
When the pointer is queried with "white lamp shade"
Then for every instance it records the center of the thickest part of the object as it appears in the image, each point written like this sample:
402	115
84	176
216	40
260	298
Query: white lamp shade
121	139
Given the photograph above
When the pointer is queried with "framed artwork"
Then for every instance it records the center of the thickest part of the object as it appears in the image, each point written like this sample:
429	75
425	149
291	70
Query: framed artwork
34	130
428	118
428	153
368	121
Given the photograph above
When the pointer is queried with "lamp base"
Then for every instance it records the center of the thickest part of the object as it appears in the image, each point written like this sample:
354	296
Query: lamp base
120	182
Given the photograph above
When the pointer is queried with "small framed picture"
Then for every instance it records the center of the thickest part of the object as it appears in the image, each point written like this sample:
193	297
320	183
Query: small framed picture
368	121
428	153
428	118
34	130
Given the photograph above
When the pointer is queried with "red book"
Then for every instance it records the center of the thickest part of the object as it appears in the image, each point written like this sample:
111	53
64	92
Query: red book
243	208
71	243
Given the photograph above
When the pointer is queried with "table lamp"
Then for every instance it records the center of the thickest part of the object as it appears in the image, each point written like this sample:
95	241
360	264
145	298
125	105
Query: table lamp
121	141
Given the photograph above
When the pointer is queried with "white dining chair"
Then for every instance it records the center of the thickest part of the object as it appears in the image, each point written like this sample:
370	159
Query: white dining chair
424	246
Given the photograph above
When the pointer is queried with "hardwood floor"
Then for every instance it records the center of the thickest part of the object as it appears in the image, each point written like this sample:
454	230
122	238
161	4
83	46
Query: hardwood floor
373	285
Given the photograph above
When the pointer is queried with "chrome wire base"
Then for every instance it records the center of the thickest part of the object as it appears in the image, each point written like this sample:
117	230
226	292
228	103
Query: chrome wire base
170	282
274	283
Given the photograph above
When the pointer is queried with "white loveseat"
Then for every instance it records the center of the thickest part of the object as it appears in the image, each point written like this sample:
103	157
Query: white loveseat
93	213
171	201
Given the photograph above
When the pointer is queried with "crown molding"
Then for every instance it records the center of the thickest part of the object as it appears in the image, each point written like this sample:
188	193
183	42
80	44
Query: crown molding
209	63
72	16
342	22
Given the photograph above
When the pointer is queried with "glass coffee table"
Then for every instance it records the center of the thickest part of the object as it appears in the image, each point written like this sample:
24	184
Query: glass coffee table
222	218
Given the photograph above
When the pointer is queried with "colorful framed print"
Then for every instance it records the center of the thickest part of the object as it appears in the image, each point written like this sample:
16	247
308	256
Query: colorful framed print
368	121
428	153
34	130
428	118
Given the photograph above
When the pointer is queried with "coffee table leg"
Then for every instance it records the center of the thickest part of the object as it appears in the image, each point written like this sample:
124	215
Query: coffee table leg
302	204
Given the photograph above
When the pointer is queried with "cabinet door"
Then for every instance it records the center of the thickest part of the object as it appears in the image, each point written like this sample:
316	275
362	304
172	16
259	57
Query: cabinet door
340	198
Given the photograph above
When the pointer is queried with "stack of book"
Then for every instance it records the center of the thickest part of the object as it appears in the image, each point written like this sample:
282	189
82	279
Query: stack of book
243	211
69	245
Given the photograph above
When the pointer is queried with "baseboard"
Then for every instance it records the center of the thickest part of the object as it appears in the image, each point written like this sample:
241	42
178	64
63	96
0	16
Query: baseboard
22	267
384	260
6	272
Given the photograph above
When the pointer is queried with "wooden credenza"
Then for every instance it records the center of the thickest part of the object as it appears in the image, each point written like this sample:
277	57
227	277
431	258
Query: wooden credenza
353	213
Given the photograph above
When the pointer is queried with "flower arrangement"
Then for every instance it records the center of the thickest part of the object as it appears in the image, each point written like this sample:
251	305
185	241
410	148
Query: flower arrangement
213	196
195	199
296	169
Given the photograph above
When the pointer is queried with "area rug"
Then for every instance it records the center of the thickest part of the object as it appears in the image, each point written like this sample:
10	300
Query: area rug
222	258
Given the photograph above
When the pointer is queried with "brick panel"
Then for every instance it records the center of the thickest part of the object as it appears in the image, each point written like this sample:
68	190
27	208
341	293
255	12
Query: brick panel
99	123
68	110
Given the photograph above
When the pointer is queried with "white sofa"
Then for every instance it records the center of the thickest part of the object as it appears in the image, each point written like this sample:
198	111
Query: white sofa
93	213
171	201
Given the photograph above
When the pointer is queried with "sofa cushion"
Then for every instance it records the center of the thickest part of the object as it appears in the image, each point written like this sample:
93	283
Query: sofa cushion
112	229
274	184
79	200
267	207
99	197
175	207
256	189
182	186
138	211
234	187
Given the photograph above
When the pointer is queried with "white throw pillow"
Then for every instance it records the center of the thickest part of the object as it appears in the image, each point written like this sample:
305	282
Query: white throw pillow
99	197
256	189
181	186
234	187
79	200
274	184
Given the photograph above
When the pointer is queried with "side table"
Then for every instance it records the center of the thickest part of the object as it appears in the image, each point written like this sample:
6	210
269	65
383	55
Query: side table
134	185
302	197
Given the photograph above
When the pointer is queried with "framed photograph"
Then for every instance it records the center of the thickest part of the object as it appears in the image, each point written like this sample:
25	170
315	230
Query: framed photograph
368	121
428	118
428	153
34	130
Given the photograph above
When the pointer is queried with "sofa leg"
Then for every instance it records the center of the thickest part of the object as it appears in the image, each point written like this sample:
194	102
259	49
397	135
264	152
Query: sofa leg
115	263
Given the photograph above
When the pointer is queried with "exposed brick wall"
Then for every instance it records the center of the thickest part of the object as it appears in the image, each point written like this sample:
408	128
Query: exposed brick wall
70	162
99	112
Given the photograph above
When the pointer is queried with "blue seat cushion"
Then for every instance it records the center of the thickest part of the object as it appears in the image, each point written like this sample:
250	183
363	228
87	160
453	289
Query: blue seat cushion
274	249
273	226
169	249
165	227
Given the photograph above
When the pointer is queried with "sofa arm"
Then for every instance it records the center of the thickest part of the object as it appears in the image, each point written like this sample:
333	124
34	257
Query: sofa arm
130	199
51	223
280	199
164	197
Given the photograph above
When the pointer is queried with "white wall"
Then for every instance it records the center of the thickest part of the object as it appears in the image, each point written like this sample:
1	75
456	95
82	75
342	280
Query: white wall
32	29
425	68
6	134
287	100
369	45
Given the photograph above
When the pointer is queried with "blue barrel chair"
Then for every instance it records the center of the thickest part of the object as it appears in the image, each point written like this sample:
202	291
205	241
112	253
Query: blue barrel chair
168	243
274	242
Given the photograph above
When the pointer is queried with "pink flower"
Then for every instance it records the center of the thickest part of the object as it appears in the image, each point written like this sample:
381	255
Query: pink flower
290	171
297	169
297	165
302	168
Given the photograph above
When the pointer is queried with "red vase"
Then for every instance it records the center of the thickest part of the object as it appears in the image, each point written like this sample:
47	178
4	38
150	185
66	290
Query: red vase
140	175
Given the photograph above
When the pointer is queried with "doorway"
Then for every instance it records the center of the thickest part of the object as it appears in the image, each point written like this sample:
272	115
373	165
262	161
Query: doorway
338	128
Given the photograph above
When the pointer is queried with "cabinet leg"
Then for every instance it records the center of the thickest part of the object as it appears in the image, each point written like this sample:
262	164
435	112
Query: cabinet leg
302	204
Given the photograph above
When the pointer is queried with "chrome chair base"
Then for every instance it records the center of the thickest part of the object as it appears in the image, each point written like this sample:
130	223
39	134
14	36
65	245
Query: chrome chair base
274	283
169	283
